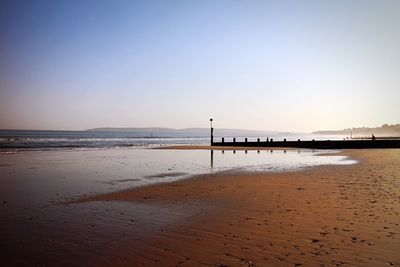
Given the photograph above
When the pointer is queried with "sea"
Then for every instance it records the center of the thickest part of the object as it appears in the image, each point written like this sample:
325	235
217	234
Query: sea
16	140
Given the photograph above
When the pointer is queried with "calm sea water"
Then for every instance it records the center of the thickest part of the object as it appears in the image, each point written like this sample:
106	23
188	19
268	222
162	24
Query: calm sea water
50	140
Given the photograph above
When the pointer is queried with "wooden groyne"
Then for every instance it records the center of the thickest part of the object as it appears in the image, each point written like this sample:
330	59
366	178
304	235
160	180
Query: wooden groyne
314	144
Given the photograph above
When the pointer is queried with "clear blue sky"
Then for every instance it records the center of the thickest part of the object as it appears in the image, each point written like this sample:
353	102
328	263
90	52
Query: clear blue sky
273	65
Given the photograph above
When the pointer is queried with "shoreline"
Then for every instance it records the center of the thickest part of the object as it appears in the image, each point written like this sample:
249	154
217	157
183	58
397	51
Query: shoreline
239	171
129	194
329	215
228	148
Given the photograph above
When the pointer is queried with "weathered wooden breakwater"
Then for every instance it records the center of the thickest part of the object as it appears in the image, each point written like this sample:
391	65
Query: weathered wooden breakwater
314	144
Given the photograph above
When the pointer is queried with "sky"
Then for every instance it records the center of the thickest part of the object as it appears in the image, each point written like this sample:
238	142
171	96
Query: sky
263	65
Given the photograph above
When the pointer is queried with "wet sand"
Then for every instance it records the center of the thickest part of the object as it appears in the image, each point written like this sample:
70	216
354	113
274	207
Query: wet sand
323	216
320	216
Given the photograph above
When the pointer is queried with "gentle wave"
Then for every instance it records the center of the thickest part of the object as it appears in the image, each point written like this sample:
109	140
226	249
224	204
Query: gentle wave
45	140
72	139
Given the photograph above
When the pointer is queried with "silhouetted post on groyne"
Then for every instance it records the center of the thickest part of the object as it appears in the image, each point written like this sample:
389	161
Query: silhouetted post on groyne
212	131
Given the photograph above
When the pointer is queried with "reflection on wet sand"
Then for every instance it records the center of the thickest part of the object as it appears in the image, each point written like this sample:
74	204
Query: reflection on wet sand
38	189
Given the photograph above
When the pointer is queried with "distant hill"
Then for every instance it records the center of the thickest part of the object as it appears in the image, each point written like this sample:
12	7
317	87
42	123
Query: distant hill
384	130
129	130
199	131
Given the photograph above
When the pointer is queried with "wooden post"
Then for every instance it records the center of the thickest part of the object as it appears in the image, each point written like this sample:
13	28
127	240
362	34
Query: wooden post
245	139
223	140
212	136
234	139
212	131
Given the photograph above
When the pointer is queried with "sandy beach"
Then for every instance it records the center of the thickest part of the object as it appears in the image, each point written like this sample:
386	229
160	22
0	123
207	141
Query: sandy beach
323	216
57	211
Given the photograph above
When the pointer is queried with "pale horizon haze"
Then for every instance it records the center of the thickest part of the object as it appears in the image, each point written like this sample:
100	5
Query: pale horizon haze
296	66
